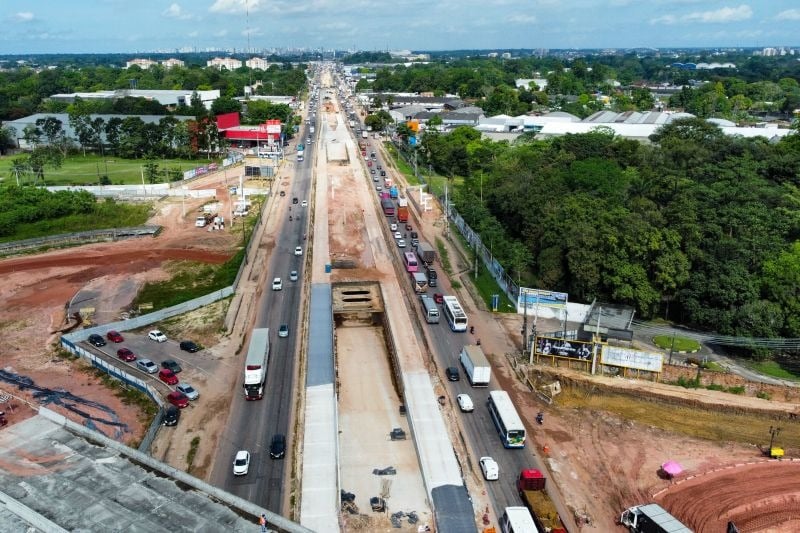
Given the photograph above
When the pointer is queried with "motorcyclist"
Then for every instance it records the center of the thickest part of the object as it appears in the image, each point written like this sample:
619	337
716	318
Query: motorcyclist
290	218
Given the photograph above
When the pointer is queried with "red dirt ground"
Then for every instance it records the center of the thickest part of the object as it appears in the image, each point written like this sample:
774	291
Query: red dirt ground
36	289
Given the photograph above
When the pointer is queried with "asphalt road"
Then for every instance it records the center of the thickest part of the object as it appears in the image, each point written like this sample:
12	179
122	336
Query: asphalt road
252	424
479	430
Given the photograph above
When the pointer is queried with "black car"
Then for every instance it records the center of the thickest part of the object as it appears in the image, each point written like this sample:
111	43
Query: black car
189	346
452	374
171	416
96	340
294	200
277	448
171	365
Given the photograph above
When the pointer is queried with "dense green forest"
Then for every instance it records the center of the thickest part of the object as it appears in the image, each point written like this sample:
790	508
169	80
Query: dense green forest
699	226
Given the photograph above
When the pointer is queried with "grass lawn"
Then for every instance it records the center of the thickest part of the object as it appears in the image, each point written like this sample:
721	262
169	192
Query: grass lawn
86	170
774	369
682	344
693	422
487	286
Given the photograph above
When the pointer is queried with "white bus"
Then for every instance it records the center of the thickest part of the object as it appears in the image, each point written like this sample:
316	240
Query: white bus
455	315
429	309
506	420
517	520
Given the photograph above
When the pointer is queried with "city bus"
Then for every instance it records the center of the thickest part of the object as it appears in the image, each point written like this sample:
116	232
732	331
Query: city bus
506	420
410	260
517	520
454	314
429	309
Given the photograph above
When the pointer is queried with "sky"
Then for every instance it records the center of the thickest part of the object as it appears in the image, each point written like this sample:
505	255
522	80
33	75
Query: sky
111	26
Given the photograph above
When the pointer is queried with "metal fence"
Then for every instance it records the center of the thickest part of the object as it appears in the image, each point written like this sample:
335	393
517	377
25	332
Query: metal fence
111	234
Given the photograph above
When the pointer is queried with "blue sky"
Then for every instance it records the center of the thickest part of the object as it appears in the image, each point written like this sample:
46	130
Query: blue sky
41	26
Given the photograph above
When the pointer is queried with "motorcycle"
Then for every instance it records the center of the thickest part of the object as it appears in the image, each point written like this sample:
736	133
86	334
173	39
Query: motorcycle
290	218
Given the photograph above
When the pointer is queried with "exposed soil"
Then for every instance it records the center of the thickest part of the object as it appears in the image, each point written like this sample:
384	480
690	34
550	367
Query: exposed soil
37	290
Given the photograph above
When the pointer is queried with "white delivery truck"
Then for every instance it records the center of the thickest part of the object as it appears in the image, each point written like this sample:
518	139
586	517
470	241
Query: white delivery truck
476	365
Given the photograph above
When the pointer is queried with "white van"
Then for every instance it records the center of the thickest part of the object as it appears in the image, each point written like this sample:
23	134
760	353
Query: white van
277	284
200	222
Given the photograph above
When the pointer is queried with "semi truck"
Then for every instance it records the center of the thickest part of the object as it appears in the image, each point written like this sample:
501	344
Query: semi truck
531	486
475	364
426	253
255	366
402	210
651	518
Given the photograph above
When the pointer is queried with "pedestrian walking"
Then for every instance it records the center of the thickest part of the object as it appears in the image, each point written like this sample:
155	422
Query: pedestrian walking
262	521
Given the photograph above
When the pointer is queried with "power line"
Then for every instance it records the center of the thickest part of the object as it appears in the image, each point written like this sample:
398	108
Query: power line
723	340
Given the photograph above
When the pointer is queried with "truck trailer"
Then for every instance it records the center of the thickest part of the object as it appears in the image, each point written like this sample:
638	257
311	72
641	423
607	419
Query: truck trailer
531	486
255	366
651	518
426	253
402	210
475	365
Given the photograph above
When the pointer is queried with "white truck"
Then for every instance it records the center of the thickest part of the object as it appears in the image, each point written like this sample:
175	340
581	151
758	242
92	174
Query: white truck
651	518
475	364
255	366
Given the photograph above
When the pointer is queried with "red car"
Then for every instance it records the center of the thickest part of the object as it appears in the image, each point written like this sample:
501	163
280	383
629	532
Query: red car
438	297
126	355
114	336
178	399
168	376
369	163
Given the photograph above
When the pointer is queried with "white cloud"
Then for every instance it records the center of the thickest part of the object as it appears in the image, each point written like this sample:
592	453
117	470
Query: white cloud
24	16
789	14
236	6
175	11
220	33
522	19
724	14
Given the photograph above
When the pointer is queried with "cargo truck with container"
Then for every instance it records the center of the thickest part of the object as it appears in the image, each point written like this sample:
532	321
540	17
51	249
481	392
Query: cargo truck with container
475	364
364	134
426	253
402	210
651	518
419	282
255	366
531	486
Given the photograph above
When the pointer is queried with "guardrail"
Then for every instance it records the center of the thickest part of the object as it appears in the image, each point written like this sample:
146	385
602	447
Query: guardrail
111	234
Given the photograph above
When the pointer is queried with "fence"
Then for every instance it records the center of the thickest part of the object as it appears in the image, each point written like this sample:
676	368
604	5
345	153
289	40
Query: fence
112	234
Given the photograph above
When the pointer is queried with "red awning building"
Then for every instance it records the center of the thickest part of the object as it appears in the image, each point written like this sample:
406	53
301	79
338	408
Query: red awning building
246	136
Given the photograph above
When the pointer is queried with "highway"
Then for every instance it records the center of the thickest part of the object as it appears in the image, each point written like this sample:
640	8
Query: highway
478	428
252	424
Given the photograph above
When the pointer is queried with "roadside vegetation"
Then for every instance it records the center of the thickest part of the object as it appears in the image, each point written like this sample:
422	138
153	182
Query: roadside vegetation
27	213
676	343
706	424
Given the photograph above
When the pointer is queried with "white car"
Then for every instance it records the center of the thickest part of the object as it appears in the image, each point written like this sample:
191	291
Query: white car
146	365
277	284
398	235
304	203
401	243
188	390
293	275
157	336
490	469
393	227
465	403
298	250
241	463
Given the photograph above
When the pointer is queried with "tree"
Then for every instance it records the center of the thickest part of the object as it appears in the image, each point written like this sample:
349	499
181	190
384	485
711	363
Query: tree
8	139
225	104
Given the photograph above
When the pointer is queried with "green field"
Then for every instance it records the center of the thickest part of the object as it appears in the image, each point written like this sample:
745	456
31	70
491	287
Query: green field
87	170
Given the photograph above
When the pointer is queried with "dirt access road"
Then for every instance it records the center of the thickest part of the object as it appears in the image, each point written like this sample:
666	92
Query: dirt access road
37	288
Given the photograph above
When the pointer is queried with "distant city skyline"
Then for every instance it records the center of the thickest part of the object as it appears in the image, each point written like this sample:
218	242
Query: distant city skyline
117	26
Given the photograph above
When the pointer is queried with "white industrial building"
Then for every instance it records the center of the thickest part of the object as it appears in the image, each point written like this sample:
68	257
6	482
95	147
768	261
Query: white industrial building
169	98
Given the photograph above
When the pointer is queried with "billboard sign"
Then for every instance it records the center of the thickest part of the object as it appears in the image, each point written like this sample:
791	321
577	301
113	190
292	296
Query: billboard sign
571	349
628	358
533	298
